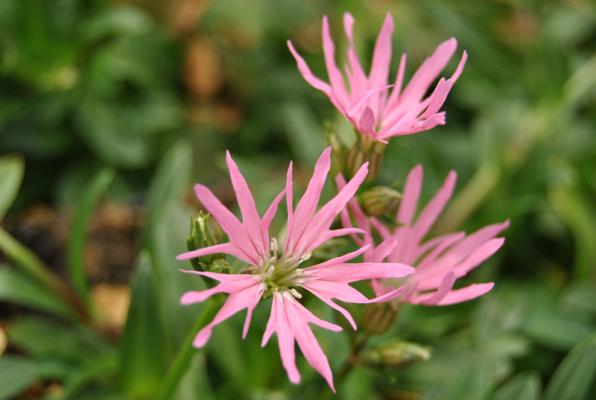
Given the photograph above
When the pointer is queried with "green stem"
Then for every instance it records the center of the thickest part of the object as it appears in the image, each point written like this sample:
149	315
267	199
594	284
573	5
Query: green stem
186	352
32	265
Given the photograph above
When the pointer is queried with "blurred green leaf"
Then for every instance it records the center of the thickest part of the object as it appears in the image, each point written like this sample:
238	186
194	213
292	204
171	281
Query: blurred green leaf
43	338
16	375
578	212
557	331
76	244
305	135
20	289
118	21
11	174
93	368
170	182
195	383
525	385
143	343
575	376
165	236
108	131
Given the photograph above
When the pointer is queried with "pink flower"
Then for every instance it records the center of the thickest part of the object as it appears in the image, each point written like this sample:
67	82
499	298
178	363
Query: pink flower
440	261
376	108
280	273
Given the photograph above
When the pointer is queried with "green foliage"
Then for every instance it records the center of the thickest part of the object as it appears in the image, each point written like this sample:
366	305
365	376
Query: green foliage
575	377
143	344
11	174
76	245
17	288
100	100
16	374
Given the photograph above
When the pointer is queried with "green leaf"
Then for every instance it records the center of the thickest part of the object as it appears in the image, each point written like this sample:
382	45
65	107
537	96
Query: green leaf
108	130
165	237
11	175
20	289
43	338
525	385
576	209
195	383
120	21
574	377
143	344
170	183
82	218
556	331
16	375
304	134
93	368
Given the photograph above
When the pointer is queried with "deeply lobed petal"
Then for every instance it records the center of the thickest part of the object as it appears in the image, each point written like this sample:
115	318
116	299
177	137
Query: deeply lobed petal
290	321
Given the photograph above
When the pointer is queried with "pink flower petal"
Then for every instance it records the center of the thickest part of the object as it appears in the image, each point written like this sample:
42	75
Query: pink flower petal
307	73
379	71
435	207
228	222
429	71
307	205
434	298
358	271
357	77
306	340
409	201
224	248
337	81
235	302
467	293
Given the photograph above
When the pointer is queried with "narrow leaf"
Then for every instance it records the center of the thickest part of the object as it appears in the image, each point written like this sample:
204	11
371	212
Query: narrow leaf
574	377
83	215
143	344
18	288
16	375
11	175
525	385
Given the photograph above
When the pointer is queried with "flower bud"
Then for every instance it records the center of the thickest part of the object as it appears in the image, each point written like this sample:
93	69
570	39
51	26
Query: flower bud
205	232
395	354
365	149
378	317
380	200
338	154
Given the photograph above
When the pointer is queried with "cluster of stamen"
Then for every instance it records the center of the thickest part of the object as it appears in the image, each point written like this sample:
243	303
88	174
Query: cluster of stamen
280	273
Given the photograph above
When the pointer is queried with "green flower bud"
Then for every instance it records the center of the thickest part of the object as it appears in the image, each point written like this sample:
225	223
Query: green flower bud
378	317
365	149
205	232
380	200
396	354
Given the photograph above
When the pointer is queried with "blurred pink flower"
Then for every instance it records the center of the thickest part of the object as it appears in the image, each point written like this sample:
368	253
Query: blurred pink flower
277	273
376	108
440	261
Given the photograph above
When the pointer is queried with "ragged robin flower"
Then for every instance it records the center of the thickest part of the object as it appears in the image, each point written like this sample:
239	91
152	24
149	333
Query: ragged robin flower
438	261
377	109
277	268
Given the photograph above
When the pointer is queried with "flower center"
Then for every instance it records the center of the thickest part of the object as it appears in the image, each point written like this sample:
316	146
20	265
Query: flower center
280	273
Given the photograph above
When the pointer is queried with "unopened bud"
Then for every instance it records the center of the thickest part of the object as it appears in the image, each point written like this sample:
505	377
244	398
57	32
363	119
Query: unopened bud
365	149
205	232
396	354
378	317
338	149
380	200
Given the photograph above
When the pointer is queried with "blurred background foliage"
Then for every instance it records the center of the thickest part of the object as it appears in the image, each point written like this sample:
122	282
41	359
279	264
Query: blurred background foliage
109	110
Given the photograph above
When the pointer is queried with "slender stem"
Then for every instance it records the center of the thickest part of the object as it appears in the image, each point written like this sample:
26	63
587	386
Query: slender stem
32	265
186	352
